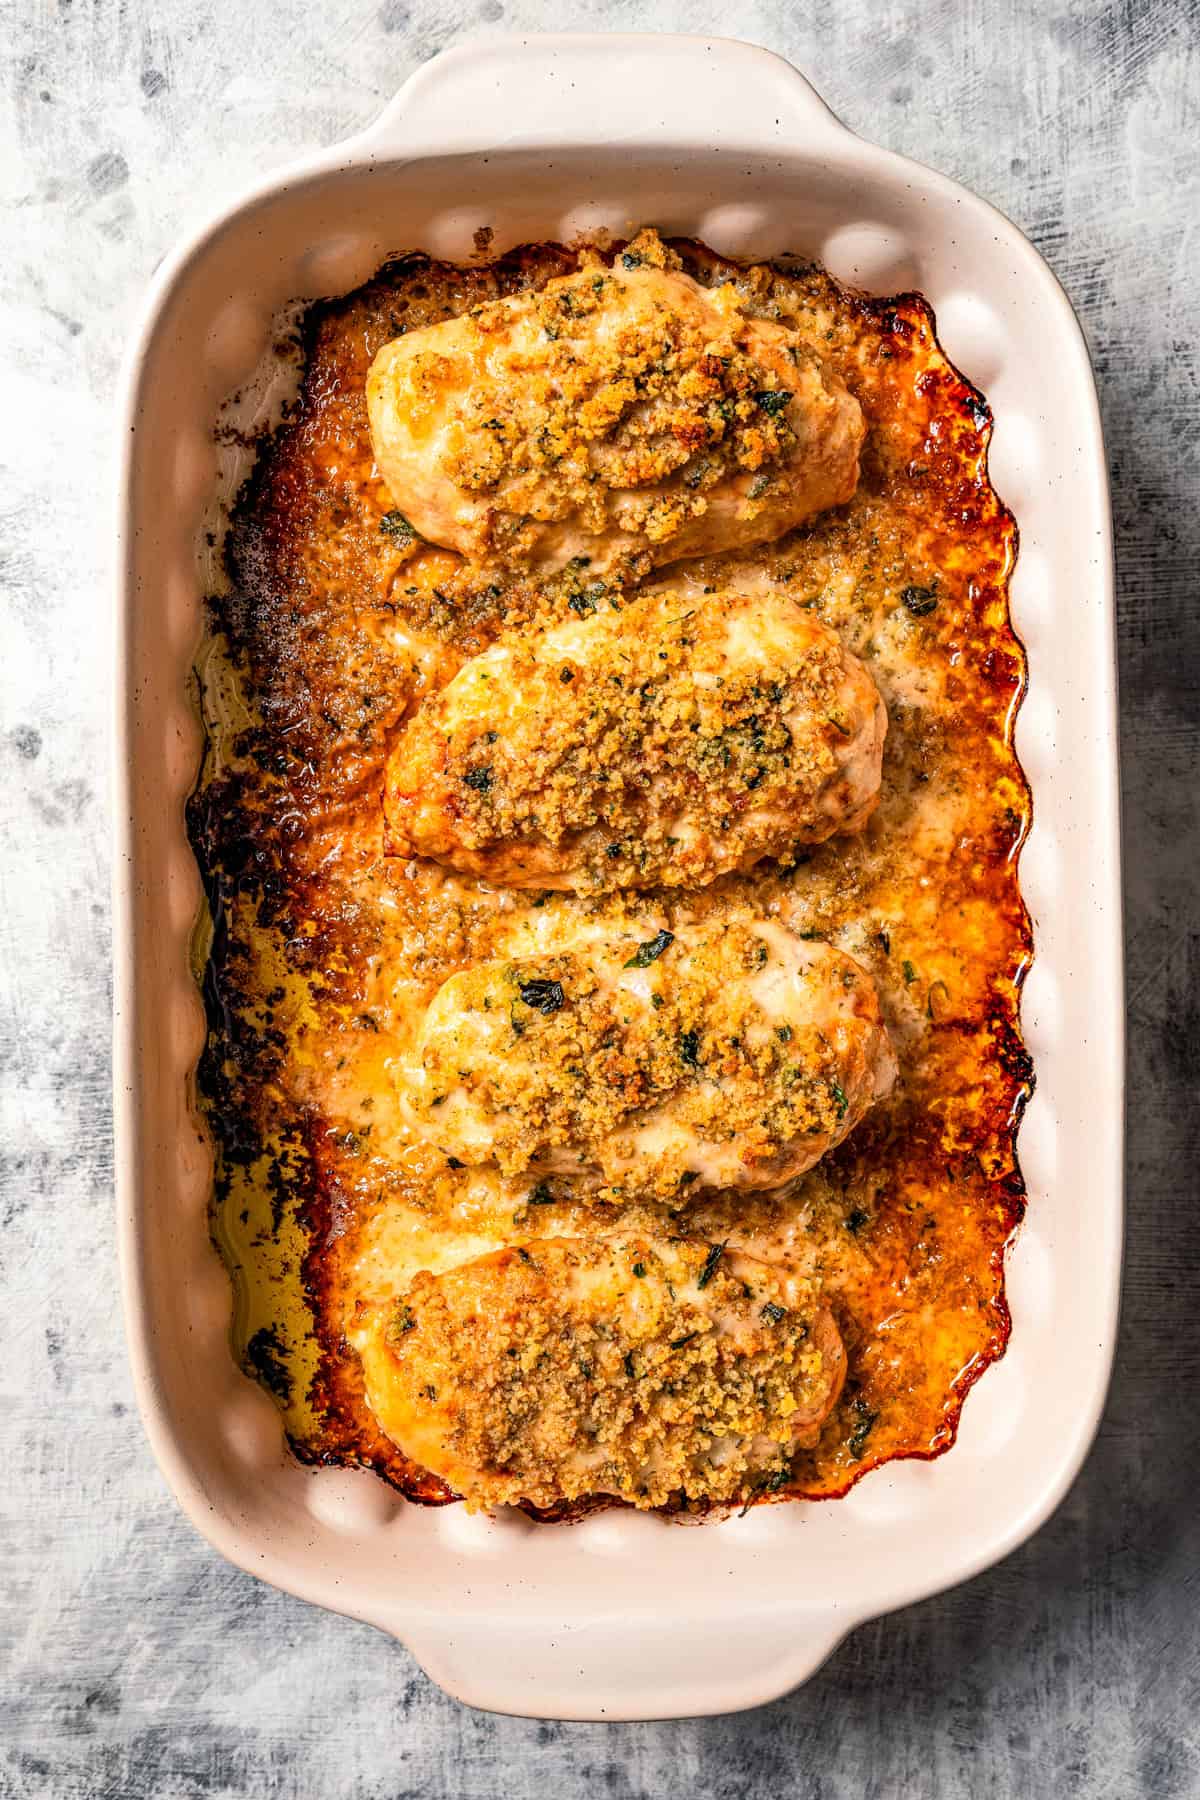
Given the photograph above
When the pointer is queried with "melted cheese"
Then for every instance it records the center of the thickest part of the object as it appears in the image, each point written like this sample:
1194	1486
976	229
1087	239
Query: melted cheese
332	1198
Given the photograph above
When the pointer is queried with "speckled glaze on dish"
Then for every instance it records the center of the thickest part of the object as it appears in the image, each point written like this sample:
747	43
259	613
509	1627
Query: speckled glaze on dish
627	1616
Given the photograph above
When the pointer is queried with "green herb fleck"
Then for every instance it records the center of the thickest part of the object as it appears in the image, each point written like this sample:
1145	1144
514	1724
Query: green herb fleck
540	1196
544	996
773	400
715	1253
861	1430
689	1048
395	525
480	779
773	1313
650	951
856	1219
639	1268
838	1096
910	974
919	600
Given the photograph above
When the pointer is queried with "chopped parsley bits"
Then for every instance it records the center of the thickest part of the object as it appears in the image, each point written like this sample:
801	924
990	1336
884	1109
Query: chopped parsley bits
395	525
715	1253
479	778
543	996
650	951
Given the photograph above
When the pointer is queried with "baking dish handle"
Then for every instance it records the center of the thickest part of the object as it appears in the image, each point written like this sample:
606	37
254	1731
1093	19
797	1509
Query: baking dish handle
602	1669
644	89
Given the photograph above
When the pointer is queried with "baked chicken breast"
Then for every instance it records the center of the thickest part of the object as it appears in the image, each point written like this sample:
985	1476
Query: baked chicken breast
644	1368
727	1055
625	417
664	744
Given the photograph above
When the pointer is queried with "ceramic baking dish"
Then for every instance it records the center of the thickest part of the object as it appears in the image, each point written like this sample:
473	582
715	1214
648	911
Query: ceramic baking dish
625	1616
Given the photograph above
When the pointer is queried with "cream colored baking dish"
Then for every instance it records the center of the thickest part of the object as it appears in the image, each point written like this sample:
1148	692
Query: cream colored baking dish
625	1616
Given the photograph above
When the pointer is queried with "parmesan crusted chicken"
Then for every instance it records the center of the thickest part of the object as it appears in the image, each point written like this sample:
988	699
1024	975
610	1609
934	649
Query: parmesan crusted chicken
625	417
664	744
645	1369
730	1055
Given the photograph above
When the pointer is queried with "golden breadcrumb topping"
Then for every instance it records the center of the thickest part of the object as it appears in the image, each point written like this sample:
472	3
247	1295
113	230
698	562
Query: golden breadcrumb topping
646	1369
657	742
613	409
732	1056
600	413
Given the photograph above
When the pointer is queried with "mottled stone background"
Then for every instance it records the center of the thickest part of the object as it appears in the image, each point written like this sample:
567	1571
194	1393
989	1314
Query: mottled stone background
137	1663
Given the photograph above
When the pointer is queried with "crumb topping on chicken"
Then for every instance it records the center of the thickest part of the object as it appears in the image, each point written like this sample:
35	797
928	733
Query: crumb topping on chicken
730	1056
661	742
645	1368
624	413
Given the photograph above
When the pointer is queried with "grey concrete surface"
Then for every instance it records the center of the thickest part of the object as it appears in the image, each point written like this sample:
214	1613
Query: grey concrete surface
135	1662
